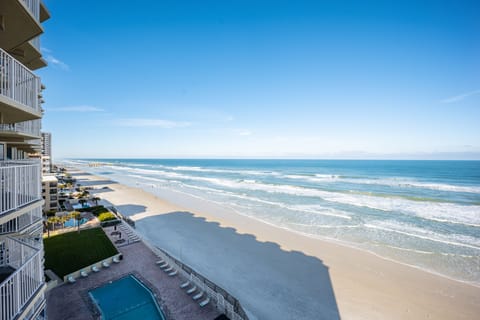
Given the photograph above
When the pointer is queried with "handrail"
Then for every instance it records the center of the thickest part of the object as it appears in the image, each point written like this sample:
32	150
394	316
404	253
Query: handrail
18	83
34	8
23	283
20	184
31	127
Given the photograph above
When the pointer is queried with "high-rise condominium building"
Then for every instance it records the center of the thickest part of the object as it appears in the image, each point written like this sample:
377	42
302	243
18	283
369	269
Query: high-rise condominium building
46	142
22	285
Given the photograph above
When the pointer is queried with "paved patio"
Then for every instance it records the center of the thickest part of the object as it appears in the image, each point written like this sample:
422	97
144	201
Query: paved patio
71	301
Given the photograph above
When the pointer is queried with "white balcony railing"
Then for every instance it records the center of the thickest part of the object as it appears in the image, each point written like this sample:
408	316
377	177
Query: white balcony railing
20	184
26	279
18	83
22	222
35	42
31	127
34	8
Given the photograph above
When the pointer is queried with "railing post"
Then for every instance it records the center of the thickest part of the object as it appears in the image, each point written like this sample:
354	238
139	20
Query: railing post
11	81
14	188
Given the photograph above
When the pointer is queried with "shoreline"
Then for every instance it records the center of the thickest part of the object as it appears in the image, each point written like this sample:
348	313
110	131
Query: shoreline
367	286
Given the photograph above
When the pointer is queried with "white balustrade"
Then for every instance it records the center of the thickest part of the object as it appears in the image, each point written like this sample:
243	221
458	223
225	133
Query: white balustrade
24	282
20	184
31	127
35	42
22	222
34	7
18	83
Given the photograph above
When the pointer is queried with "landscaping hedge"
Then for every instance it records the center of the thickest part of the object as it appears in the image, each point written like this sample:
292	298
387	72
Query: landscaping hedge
106	216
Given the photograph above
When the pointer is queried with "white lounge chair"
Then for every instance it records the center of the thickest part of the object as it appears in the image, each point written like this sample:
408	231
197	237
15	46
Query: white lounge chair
84	273
197	296
95	269
204	302
173	273
163	266
116	260
185	284
105	264
192	290
160	261
71	279
169	269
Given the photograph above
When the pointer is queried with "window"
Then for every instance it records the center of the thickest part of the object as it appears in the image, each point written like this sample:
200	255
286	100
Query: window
2	151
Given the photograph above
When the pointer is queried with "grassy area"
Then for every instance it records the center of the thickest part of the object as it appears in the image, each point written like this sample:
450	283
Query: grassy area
68	252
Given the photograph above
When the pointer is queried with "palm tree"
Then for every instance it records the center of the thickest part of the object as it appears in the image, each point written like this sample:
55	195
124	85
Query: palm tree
96	199
52	221
82	201
77	216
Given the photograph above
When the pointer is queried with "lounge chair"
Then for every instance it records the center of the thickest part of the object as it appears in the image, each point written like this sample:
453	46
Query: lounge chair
192	290
204	302
164	265
160	261
84	273
173	273
71	279
185	284
116	260
169	269
95	269
197	296
105	264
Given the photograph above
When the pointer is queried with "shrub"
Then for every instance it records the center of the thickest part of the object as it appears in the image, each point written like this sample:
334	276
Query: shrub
51	213
106	216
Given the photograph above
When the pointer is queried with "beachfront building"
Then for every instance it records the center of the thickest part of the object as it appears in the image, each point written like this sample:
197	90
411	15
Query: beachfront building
50	192
22	286
47	151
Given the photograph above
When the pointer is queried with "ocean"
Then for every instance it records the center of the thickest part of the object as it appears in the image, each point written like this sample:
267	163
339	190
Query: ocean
422	213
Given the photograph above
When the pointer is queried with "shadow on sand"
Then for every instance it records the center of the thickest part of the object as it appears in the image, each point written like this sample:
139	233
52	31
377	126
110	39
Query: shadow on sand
102	190
130	209
86	182
270	283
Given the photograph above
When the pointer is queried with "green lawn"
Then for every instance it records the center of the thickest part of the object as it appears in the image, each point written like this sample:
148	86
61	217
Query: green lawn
68	252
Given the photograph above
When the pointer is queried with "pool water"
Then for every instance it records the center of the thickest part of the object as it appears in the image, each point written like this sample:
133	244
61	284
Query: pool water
73	222
80	206
126	299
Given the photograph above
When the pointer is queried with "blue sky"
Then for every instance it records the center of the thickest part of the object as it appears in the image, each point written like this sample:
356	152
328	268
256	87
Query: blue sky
301	79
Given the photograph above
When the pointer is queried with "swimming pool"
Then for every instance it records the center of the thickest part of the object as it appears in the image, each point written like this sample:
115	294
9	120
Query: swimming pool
73	222
126	299
80	206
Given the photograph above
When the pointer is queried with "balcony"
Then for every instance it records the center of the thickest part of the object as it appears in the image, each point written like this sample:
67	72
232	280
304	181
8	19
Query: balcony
19	91
21	22
21	278
29	54
28	146
20	131
20	184
24	223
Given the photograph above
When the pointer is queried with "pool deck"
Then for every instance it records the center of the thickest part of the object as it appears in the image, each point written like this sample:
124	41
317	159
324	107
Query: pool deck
71	301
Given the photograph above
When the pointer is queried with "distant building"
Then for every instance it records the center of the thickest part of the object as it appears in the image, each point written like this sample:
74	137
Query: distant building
50	192
47	152
22	285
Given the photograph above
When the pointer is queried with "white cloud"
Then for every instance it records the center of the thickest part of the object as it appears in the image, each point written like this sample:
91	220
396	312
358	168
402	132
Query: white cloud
243	132
55	62
160	123
460	97
77	109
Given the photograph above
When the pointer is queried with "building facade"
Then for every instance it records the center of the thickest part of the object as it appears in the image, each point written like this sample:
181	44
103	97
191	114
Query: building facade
50	193
22	285
46	143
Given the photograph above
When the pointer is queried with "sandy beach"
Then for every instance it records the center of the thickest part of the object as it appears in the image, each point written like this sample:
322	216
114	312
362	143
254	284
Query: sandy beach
278	274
